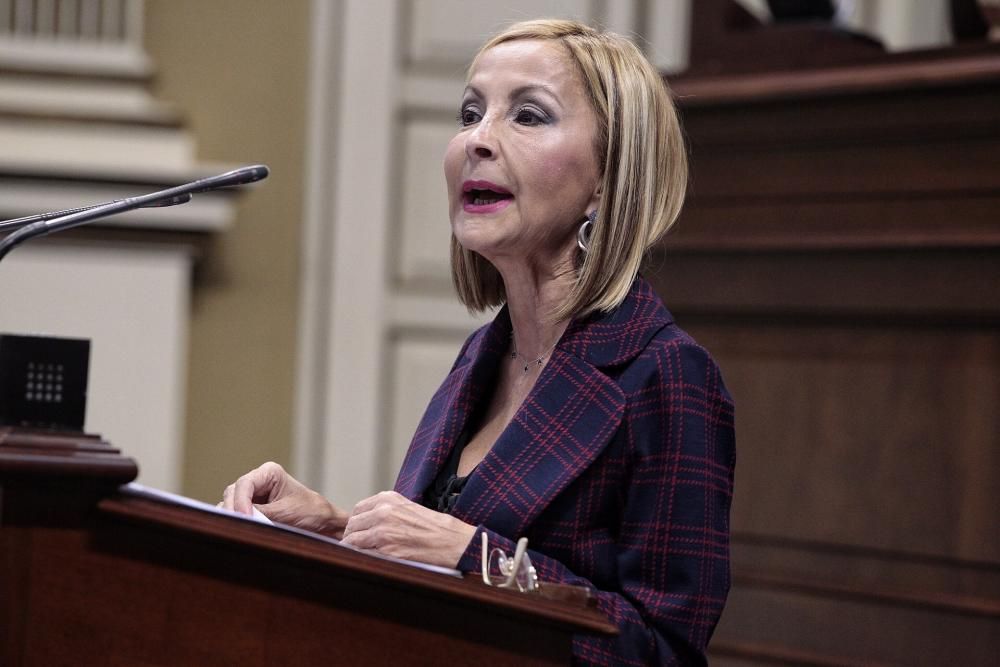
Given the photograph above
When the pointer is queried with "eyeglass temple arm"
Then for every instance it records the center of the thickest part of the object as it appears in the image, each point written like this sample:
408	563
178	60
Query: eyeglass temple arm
522	547
486	561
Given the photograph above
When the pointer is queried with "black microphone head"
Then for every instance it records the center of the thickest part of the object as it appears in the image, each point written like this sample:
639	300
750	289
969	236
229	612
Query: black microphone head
251	174
256	172
240	176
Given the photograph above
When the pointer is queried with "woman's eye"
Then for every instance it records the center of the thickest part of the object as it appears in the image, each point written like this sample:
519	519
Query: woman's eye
468	116
528	117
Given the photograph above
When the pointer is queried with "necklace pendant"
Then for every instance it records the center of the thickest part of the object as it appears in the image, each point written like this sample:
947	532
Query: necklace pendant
525	368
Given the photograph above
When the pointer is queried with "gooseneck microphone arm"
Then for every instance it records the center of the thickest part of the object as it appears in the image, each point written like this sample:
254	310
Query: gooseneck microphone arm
17	223
50	223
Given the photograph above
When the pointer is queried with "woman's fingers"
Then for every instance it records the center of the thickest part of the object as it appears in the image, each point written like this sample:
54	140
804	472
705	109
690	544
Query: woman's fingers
367	518
227	497
393	525
367	538
381	522
382	498
284	499
260	484
296	511
249	486
375	510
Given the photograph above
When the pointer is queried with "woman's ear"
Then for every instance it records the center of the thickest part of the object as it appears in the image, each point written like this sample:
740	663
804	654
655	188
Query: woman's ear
595	200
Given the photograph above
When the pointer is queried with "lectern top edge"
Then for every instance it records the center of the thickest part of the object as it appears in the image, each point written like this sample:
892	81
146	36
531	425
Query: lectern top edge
252	535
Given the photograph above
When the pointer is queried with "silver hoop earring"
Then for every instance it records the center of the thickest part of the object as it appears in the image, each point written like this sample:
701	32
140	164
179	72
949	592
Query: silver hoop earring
583	234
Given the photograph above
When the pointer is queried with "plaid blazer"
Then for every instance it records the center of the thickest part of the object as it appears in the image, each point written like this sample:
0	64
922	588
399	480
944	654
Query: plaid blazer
618	467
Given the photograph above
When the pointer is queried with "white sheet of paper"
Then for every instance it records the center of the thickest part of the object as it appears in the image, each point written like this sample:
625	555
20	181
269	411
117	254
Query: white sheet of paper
260	516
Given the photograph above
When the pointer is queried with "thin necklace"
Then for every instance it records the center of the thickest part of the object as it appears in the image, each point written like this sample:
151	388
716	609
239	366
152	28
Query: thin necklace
528	363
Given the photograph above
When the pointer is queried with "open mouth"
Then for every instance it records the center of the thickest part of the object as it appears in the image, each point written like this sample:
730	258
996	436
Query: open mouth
483	195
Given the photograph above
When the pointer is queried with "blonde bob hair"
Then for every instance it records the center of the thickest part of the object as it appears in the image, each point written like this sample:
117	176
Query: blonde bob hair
642	156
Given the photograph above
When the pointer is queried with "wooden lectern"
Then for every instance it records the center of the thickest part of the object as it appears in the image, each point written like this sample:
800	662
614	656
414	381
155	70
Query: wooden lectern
91	575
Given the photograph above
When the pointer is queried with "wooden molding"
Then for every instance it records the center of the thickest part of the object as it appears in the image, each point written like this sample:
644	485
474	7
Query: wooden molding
884	77
965	605
31	452
771	654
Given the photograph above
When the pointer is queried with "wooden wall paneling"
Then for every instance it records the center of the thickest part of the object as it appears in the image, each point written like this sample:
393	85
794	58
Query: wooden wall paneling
727	36
848	629
941	166
422	222
836	222
865	435
917	285
946	581
839	256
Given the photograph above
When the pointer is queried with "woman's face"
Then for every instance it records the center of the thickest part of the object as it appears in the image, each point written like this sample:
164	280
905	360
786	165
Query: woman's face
522	171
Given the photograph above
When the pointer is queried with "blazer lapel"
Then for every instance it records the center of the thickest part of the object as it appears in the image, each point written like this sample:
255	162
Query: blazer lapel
450	408
562	426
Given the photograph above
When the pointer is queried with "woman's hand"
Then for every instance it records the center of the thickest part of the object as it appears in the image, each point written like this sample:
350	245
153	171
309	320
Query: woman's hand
392	525
284	499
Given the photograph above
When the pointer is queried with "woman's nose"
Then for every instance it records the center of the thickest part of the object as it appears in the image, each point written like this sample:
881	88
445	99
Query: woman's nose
481	143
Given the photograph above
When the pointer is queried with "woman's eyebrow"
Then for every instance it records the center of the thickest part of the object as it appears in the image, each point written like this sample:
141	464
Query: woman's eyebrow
520	91
530	88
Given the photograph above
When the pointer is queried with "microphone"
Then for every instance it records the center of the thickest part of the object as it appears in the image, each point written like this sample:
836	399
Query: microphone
241	176
54	222
17	223
43	380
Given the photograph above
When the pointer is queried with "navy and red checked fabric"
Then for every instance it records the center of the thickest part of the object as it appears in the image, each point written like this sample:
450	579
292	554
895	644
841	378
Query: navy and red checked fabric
618	468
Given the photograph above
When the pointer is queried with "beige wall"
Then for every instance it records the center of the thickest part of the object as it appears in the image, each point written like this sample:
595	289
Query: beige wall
237	69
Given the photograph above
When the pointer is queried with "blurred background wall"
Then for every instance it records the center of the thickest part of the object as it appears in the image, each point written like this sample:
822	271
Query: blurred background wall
239	71
308	319
337	97
377	326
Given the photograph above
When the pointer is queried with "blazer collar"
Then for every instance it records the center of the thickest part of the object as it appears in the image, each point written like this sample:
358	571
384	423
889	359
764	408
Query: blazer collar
604	340
563	425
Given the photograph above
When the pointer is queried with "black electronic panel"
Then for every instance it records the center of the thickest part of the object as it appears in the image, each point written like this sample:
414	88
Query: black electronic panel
43	381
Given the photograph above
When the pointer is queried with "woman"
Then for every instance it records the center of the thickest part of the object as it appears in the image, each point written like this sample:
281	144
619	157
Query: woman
582	418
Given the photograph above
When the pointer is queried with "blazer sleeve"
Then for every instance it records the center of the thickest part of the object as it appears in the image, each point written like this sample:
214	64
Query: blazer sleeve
673	540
